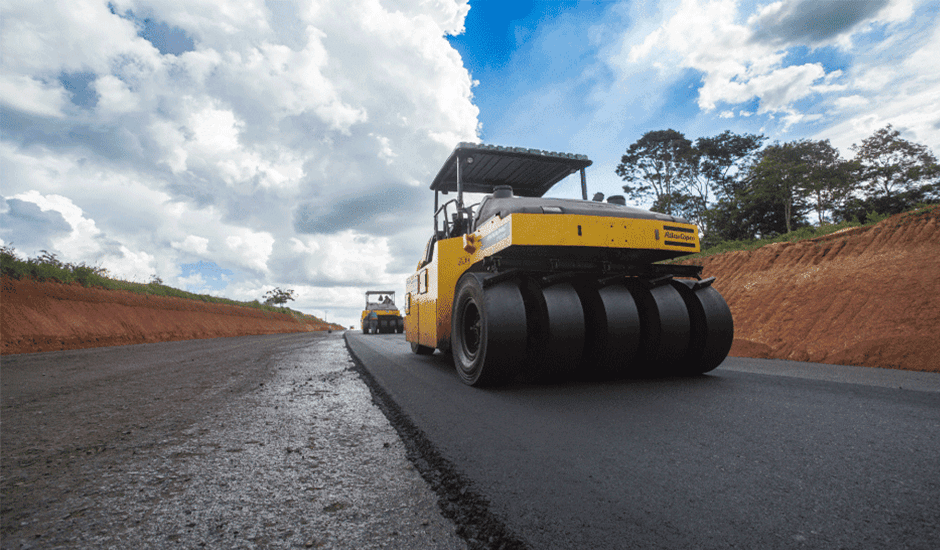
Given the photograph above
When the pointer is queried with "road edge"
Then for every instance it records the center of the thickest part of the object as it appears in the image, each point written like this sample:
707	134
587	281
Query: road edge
844	374
469	511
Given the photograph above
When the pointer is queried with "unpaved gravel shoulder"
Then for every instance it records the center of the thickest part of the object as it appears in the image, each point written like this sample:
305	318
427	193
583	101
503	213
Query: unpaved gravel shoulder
271	442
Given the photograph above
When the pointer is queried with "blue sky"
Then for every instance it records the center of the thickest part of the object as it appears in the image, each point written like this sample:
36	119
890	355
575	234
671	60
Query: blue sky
553	72
232	146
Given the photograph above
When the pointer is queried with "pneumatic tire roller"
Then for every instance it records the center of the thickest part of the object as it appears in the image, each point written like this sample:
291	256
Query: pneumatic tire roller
523	286
380	315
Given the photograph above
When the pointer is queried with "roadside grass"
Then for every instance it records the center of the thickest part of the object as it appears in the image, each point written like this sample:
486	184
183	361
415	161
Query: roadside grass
47	267
801	234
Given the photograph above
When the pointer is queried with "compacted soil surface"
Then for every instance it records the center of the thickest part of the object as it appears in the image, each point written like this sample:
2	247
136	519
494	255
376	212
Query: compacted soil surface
867	296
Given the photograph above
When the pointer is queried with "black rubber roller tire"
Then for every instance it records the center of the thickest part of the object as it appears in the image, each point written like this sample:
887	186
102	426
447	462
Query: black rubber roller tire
712	328
612	331
665	330
560	344
488	331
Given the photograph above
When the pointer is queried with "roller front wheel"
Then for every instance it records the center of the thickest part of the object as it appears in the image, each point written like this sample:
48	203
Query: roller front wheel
488	330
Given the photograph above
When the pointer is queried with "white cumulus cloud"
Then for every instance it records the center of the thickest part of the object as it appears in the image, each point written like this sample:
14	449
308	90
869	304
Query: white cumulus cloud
243	129
752	53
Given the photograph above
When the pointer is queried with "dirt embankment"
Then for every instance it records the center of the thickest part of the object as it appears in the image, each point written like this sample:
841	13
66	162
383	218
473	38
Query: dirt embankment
48	316
865	296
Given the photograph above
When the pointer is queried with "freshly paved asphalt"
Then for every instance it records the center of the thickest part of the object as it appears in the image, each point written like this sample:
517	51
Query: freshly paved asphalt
755	454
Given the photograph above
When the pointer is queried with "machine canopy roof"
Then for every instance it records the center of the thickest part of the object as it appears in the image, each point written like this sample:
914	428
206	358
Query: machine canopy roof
530	172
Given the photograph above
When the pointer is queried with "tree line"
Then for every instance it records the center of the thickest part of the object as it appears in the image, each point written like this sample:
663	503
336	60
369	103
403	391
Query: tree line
736	188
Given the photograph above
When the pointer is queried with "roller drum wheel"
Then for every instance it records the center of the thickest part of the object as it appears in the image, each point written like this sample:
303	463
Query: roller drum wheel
712	328
488	331
556	330
612	331
665	330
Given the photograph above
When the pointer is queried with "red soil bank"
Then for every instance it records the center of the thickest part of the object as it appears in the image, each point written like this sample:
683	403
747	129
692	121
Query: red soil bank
48	316
865	296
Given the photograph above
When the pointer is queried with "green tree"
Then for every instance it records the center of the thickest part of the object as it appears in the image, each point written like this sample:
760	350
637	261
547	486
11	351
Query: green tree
680	204
659	165
757	212
722	162
891	164
782	178
794	178
729	220
278	296
829	178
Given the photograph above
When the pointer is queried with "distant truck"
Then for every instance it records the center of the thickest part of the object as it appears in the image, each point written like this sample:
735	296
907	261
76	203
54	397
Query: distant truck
380	315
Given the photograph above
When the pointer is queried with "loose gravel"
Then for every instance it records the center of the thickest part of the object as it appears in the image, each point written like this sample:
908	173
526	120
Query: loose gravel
295	455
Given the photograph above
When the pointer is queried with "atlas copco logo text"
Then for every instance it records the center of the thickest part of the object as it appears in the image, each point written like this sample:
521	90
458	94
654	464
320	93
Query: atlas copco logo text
679	236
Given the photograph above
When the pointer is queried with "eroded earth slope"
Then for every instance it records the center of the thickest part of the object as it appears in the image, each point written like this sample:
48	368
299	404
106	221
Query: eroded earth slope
49	316
866	296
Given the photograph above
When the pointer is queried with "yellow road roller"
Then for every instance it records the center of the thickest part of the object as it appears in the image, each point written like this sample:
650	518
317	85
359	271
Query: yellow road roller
520	286
380	314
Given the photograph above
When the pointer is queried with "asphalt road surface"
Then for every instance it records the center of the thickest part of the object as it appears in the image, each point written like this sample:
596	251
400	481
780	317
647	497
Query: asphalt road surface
755	454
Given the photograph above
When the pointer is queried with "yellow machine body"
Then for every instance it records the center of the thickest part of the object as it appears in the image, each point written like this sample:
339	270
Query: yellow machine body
430	290
381	313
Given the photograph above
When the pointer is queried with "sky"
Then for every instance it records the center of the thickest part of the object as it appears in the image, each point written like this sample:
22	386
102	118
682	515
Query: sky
229	147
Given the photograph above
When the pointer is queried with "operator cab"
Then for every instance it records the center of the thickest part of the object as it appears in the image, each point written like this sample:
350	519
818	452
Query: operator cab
514	180
380	300
502	173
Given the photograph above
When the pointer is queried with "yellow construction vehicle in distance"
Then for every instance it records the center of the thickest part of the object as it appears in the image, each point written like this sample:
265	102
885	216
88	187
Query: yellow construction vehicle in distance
380	314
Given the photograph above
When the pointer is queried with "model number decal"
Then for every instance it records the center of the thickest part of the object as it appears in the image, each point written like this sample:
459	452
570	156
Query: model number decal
502	232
